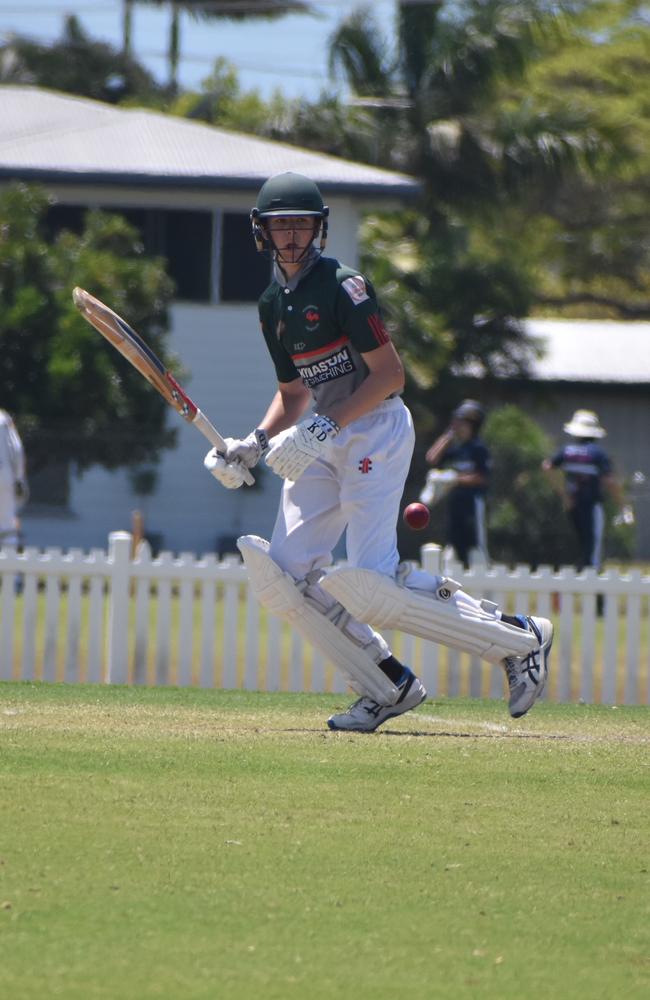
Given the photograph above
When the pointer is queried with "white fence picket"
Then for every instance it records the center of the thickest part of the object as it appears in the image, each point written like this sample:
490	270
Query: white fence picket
7	615
108	617
95	628
230	633
73	631
163	620
185	626
633	630
252	642
207	665
119	556
30	621
141	630
52	619
610	644
588	641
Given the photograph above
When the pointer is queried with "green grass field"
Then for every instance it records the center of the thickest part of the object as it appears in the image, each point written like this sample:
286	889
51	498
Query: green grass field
181	844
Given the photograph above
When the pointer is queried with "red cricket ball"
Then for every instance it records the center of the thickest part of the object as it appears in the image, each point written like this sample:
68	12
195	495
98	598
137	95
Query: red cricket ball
416	515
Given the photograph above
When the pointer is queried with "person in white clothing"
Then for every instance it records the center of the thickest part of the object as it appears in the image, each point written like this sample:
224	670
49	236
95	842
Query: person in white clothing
344	467
13	482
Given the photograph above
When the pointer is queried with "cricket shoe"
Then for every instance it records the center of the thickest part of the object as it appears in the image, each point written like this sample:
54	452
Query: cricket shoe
367	715
527	674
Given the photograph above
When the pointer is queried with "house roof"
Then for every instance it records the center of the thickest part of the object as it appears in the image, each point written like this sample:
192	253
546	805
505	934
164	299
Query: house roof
591	351
49	136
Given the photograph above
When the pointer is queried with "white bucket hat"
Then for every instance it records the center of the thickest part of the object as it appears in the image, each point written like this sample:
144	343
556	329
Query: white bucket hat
585	423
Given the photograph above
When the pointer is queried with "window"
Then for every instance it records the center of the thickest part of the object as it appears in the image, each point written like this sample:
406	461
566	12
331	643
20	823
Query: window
245	273
186	240
188	249
61	217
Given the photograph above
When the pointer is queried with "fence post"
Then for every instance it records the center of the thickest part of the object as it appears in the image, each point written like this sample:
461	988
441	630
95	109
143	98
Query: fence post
119	559
431	558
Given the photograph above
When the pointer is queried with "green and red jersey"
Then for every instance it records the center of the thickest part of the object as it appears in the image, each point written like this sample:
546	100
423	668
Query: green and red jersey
318	329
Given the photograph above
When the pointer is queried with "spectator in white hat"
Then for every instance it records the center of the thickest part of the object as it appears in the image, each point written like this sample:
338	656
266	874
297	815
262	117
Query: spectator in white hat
588	476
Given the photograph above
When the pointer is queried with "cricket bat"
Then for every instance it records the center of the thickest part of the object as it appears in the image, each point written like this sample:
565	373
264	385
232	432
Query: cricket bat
131	345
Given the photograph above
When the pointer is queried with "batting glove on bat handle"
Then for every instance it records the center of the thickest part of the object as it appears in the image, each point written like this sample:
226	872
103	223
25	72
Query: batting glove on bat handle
249	450
232	475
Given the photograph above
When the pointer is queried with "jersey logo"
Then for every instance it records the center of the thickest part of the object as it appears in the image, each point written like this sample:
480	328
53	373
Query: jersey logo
356	289
300	347
365	466
330	368
312	318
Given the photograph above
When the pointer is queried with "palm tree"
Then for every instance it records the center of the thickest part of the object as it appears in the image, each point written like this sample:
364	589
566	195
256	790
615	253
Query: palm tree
443	104
235	10
437	95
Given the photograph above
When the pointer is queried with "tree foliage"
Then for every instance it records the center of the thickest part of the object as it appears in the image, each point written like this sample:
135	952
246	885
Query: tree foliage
454	288
76	64
73	396
207	10
526	522
588	242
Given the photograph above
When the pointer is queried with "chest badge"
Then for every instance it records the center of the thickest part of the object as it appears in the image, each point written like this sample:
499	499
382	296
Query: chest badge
365	466
312	318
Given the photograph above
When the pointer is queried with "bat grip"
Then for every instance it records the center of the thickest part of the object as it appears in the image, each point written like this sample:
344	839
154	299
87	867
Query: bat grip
210	432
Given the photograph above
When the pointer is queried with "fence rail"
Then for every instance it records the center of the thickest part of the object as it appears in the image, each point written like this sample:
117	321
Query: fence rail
105	617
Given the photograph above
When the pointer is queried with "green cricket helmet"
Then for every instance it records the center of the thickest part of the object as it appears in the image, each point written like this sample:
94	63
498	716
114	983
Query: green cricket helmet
288	194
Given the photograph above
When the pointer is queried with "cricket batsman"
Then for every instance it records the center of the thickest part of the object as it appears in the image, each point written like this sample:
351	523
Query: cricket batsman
339	435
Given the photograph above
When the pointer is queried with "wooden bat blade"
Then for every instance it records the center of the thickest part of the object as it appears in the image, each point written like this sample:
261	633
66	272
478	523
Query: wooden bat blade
131	346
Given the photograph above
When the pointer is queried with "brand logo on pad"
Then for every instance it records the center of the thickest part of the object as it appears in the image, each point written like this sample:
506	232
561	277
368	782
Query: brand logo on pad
365	465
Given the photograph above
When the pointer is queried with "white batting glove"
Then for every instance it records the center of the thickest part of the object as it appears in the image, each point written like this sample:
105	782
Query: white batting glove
437	483
232	475
624	516
249	450
294	450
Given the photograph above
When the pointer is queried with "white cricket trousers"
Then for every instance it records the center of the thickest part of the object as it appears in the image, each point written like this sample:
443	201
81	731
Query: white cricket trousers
358	490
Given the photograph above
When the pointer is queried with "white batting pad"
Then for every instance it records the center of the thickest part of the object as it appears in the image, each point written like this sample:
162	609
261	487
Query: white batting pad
445	615
281	595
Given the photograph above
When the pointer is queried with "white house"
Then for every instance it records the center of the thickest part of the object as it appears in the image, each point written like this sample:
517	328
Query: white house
189	188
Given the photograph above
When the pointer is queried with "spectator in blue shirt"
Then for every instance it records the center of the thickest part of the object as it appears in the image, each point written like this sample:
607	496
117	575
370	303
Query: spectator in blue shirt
588	476
466	459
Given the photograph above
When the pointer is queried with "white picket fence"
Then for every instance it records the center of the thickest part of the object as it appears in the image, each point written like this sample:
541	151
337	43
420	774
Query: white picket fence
105	617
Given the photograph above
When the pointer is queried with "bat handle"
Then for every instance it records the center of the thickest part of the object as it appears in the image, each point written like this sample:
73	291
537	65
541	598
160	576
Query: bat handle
210	432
